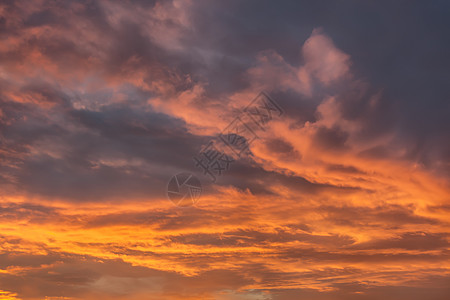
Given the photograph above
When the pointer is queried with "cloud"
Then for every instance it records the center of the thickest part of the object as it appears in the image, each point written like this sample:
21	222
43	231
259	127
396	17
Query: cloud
323	60
343	196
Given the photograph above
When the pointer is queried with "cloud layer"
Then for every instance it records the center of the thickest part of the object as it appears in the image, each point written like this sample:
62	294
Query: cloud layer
344	196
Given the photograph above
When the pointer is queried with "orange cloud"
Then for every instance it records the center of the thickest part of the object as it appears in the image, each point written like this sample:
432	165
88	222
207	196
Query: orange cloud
96	116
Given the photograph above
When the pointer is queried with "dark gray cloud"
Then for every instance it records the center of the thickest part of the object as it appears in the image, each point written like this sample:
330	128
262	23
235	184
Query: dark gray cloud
410	241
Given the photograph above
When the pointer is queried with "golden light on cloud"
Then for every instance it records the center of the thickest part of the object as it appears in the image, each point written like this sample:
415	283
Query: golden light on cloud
333	183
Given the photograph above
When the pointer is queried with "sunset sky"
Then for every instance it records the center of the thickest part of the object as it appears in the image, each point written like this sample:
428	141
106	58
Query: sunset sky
343	195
